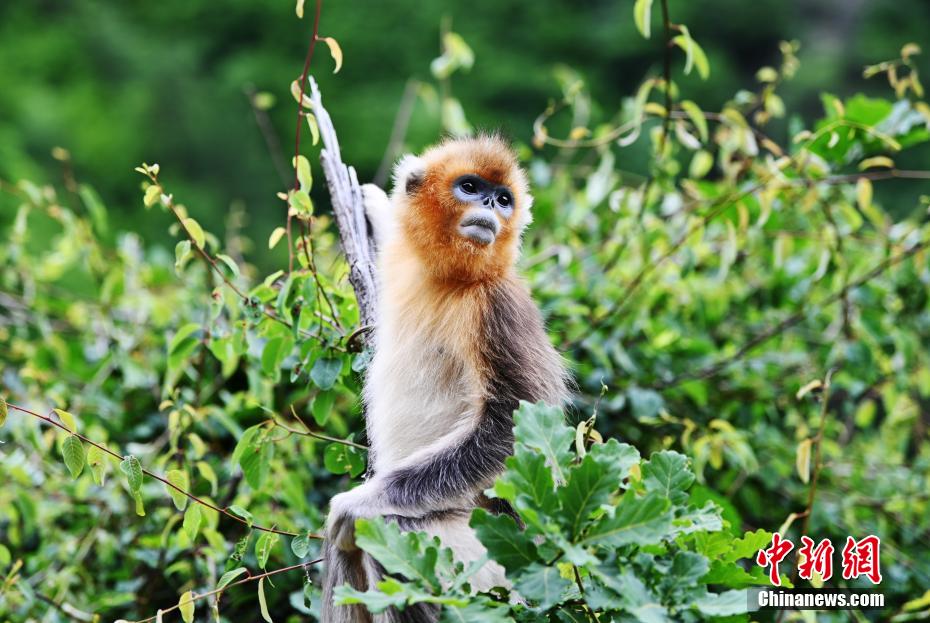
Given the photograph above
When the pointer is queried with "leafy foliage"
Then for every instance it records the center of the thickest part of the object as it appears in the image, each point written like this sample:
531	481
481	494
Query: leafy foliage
605	539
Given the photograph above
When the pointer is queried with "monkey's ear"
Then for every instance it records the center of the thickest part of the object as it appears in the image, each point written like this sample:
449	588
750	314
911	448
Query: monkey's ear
409	174
526	214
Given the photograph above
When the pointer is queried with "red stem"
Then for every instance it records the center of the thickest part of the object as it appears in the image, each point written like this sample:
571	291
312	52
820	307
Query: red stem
300	114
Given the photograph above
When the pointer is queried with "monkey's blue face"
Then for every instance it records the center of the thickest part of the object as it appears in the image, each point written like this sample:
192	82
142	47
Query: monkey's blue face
487	207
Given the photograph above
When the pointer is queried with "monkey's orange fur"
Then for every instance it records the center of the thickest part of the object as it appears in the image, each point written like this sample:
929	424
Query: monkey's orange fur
429	219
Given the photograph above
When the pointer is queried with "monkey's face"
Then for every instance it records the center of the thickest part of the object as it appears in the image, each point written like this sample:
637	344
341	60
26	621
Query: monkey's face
463	205
487	207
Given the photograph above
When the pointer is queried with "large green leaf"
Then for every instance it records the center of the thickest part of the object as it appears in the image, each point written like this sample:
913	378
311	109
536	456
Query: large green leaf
667	474
506	543
73	452
409	554
641	520
542	428
542	584
590	483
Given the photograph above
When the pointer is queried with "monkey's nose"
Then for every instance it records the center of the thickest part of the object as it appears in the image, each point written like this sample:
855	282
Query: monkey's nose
479	226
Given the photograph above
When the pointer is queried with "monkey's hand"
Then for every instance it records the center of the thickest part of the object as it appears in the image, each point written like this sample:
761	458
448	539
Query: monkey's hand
361	502
378	210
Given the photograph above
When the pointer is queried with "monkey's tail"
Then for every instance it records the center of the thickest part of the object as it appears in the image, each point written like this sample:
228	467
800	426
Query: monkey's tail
362	572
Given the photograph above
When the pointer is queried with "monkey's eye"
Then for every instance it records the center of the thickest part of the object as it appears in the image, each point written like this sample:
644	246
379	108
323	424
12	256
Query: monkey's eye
469	187
504	199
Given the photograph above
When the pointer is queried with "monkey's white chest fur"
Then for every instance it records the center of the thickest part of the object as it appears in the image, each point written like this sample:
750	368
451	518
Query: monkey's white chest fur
420	393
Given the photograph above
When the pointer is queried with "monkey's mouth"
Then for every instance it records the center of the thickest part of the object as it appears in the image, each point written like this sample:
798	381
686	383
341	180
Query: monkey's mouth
479	228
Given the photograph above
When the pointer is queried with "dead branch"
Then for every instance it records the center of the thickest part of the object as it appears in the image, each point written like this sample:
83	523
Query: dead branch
346	195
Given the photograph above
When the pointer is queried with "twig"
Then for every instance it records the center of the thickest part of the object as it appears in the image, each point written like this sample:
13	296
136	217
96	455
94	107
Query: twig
308	432
151	474
249	578
398	132
268	134
792	320
300	114
818	463
667	74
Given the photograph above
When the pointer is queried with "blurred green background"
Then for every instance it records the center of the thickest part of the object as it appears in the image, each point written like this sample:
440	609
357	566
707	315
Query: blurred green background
117	83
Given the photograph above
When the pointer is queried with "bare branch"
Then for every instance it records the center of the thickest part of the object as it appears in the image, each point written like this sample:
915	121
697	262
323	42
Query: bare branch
348	208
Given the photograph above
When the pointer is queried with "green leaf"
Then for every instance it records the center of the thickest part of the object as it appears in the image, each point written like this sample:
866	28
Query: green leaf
339	458
182	251
262	604
180	479
152	195
3	411
300	545
749	544
325	371
186	606
696	115
376	601
642	16
73	452
408	554
528	478
230	264
667	473
304	174
505	541
238	511
131	467
140	507
97	461
256	464
276	236
192	519
322	406
67	419
195	231
245	442
301	203
543	585
701	164
181	338
207	473
229	576
694	54
598	475
274	353
706	519
644	520
542	428
263	547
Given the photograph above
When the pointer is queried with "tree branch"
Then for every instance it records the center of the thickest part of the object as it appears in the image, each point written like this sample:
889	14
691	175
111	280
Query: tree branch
249	578
151	474
348	208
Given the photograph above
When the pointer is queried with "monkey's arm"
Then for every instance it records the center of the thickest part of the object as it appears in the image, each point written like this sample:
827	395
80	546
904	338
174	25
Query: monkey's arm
449	475
378	210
